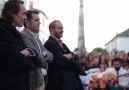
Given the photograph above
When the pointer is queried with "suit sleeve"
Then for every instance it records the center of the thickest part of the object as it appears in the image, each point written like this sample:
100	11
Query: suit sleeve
49	56
59	59
10	54
29	43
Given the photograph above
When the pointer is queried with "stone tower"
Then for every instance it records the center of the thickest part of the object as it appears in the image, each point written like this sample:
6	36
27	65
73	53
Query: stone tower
81	34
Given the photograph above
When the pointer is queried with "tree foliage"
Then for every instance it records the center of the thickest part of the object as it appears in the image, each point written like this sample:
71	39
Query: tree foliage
99	49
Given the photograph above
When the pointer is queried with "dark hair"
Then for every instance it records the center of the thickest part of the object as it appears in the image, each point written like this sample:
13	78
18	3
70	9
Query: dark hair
11	7
52	24
128	53
124	64
116	52
29	14
116	60
106	62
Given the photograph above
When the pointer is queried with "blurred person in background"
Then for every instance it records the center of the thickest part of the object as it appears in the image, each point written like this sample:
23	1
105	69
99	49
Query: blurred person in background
122	53
100	83
123	76
84	60
102	60
117	54
92	63
116	64
96	55
110	60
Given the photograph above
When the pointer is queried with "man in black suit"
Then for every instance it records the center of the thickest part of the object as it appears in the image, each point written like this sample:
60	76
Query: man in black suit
61	75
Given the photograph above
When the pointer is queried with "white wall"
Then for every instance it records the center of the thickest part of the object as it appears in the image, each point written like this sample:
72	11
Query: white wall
26	3
123	44
111	46
119	43
1	5
44	32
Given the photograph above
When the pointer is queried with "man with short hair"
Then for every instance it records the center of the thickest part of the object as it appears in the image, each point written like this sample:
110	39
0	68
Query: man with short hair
116	64
62	74
15	58
31	40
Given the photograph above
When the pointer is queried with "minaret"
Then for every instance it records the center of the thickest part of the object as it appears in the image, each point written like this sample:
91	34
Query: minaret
81	34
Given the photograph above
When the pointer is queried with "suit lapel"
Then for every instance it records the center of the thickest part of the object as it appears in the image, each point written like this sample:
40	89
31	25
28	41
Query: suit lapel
40	44
29	34
62	49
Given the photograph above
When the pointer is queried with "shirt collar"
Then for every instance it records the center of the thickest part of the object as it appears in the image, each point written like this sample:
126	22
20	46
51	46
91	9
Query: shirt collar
34	34
57	39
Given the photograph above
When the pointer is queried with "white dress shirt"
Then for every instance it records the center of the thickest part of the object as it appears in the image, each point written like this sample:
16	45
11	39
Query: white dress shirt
85	80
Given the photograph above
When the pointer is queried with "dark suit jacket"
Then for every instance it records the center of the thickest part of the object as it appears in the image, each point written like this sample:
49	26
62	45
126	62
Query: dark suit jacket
60	68
14	65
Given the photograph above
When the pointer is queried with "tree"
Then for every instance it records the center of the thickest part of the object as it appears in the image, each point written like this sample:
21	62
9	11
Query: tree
99	49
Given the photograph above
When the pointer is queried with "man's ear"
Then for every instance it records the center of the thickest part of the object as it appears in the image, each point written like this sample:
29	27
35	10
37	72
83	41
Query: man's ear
27	23
51	30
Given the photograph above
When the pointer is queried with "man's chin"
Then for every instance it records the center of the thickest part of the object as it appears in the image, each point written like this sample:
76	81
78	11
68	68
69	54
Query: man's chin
61	36
20	25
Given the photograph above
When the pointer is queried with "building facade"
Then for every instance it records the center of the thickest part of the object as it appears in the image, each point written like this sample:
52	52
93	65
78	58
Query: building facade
44	31
1	5
119	43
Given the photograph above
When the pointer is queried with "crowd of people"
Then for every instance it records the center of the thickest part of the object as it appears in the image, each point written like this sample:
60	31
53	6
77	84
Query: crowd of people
105	72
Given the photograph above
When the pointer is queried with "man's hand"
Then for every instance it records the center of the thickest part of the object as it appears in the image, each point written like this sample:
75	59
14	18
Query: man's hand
68	56
26	52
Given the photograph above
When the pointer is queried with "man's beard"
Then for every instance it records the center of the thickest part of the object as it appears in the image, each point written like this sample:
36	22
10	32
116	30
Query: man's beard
117	68
57	35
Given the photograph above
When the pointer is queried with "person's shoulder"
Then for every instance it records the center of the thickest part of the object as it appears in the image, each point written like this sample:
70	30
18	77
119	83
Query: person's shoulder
6	25
3	25
23	31
122	70
50	41
3	28
26	34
